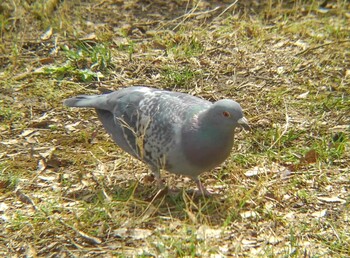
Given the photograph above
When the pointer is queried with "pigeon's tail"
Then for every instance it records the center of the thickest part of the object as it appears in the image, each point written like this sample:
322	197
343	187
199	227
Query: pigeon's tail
95	101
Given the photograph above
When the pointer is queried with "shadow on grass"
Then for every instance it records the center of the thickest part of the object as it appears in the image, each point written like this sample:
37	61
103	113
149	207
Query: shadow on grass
151	203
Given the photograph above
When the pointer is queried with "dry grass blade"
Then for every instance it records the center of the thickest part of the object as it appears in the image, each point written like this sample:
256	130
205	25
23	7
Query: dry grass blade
321	46
285	129
227	8
89	239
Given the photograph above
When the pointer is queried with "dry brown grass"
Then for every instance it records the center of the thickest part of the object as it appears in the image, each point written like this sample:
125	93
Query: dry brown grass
67	191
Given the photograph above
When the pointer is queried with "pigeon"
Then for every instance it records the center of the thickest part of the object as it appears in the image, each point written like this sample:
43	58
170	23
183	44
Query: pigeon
174	131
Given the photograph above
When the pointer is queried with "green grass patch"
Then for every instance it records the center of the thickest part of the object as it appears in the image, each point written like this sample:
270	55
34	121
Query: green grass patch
179	77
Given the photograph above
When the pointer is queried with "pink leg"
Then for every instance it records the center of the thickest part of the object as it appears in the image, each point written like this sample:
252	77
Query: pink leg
202	188
156	173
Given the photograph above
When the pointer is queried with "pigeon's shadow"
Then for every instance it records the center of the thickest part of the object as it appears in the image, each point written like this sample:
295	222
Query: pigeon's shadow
180	203
177	203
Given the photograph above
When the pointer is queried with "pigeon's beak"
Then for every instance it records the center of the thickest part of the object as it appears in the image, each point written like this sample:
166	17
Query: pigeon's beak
243	122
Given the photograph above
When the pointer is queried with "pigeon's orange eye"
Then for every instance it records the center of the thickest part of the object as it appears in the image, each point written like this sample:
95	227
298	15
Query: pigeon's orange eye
226	114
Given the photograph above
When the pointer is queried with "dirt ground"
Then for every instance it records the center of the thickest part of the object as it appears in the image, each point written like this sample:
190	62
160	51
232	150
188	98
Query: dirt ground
68	191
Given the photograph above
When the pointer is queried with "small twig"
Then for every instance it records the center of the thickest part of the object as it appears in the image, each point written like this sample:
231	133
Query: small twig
89	239
226	9
160	194
100	3
319	46
25	199
335	232
185	16
192	14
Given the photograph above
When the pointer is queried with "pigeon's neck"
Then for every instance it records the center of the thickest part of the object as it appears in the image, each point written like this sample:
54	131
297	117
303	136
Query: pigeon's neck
206	144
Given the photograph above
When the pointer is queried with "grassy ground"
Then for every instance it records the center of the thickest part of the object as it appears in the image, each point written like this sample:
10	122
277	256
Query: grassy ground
67	190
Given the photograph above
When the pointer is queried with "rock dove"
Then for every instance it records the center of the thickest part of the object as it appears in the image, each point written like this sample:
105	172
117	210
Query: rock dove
180	133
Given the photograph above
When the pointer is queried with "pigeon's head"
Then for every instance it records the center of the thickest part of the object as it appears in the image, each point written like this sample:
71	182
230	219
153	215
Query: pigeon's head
228	112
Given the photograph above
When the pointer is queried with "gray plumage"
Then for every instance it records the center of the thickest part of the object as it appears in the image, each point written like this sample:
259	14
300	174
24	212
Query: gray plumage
167	130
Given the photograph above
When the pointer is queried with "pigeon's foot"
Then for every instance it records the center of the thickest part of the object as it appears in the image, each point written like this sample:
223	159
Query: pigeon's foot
159	181
202	190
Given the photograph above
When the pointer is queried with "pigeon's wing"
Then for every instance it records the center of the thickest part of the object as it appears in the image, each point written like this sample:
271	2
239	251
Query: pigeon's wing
151	120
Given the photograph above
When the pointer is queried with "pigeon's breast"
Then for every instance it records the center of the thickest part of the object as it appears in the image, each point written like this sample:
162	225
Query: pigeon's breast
206	148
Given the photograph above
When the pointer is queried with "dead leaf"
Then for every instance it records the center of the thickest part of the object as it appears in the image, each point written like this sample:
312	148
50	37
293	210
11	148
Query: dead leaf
333	199
280	44
90	239
71	127
280	70
158	45
135	233
25	198
54	162
264	122
30	251
48	153
41	124
274	167
302	44
41	166
91	36
286	197
303	95
3	207
294	167
27	132
46	60
4	184
93	136
248	214
323	10
319	214
250	243
4	218
256	171
310	157
47	34
347	73
120	232
329	188
206	232
290	216
274	240
10	142
47	178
